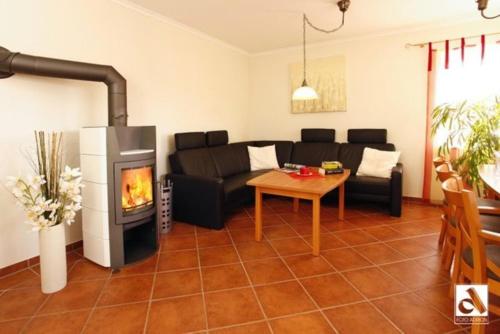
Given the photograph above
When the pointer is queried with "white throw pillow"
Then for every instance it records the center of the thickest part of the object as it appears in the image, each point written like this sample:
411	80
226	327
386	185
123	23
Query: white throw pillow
378	163
263	157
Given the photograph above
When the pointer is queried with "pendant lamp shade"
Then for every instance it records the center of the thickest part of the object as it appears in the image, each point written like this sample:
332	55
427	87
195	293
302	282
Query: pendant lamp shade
304	93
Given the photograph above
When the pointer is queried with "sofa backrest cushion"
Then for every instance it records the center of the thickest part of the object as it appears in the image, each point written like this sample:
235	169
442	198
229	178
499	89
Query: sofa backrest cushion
225	160
350	155
217	138
312	154
283	149
367	136
240	150
197	162
231	159
189	140
175	167
317	135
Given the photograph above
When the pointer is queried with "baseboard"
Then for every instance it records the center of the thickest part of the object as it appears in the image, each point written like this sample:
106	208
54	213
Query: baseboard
408	199
34	260
78	244
420	201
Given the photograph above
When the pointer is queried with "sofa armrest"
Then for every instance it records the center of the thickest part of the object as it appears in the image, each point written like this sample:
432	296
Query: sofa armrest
198	200
396	190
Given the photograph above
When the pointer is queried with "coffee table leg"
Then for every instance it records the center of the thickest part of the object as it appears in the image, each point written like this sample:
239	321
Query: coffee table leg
341	201
258	214
296	205
316	223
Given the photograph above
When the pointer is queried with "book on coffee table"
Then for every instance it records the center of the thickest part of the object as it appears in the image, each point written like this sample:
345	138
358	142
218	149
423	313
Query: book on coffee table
290	168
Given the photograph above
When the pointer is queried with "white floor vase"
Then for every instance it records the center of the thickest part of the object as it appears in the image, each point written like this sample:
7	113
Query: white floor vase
53	258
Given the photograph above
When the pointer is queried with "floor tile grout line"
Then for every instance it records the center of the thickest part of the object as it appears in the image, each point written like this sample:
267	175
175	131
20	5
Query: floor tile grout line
250	260
316	305
150	301
365	297
92	310
283	205
30	267
359	292
303	237
25	326
407	258
381	267
416	290
202	284
433	305
261	321
251	285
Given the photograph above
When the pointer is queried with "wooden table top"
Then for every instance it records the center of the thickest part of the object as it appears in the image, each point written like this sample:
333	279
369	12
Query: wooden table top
313	185
491	177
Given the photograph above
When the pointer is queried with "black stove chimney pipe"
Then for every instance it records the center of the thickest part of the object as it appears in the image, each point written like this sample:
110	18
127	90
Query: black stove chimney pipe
11	63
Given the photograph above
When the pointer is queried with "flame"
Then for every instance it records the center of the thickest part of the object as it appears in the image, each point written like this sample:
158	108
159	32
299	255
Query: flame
137	188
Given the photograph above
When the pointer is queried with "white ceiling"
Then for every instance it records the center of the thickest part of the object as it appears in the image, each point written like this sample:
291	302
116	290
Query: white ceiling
262	25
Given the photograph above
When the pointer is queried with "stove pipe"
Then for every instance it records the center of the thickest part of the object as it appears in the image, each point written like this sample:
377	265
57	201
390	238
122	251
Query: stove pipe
14	62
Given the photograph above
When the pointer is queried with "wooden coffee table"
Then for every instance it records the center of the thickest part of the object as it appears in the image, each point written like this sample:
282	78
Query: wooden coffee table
281	184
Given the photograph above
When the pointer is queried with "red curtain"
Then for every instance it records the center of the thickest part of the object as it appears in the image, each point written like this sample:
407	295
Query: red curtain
431	79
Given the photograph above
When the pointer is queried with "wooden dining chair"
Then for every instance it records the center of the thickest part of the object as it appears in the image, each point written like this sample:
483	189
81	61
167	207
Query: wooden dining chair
479	250
438	161
444	170
448	222
447	234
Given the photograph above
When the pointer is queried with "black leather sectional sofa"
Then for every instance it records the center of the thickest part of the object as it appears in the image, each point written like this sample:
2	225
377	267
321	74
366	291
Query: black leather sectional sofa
209	174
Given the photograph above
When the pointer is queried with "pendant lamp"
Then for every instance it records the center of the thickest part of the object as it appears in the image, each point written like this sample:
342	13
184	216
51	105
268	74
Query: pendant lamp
306	92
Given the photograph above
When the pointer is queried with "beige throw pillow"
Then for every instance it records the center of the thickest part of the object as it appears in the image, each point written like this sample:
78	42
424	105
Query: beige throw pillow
378	163
262	157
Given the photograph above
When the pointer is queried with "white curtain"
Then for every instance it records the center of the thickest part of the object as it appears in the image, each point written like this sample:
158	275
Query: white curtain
473	80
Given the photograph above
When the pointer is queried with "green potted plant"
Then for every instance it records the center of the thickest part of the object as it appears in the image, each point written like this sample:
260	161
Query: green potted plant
474	129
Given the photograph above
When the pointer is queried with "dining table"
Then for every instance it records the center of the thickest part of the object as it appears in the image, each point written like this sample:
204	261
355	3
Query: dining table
490	174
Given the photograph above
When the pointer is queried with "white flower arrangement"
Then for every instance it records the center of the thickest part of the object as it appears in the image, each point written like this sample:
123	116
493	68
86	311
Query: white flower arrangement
51	202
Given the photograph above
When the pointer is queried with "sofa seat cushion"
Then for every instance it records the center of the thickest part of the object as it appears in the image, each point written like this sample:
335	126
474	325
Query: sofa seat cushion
368	185
313	154
492	254
235	188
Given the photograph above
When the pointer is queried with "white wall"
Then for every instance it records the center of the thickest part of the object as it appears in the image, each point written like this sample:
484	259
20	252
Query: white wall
386	88
177	79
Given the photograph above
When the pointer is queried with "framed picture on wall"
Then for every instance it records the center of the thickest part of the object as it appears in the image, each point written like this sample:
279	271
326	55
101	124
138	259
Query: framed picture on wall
327	77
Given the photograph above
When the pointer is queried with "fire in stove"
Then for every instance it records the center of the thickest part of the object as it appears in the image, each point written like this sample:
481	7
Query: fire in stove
137	188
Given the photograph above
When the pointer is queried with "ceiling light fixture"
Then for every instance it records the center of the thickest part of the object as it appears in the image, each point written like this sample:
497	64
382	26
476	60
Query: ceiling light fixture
482	5
306	92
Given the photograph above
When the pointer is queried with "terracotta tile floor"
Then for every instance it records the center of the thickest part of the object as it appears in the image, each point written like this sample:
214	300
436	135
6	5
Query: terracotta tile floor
376	274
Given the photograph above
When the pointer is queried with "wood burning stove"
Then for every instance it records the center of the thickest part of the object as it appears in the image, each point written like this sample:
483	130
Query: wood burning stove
119	220
137	189
119	198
